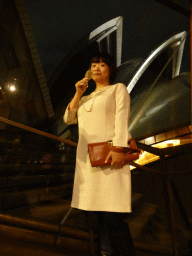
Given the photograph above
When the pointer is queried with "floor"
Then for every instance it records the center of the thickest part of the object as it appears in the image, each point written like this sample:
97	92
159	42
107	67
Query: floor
15	247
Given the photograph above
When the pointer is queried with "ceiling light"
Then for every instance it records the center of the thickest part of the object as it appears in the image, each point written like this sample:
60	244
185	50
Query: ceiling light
12	88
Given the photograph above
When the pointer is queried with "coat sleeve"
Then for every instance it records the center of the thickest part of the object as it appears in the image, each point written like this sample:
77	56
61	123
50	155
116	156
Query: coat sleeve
122	113
70	116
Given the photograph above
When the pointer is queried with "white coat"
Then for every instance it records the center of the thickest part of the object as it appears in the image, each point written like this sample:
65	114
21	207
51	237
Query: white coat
101	116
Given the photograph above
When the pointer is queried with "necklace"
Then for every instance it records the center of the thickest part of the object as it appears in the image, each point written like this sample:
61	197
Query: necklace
94	97
101	89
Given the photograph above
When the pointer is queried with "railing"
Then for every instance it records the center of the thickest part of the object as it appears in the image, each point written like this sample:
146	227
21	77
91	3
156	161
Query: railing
166	176
27	128
169	185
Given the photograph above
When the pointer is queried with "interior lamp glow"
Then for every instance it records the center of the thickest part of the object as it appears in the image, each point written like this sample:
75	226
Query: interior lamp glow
12	88
147	157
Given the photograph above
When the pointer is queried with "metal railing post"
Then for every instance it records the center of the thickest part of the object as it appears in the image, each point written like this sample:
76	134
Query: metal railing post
169	204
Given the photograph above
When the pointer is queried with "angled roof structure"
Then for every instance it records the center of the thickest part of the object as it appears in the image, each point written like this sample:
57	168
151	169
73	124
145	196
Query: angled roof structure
135	31
176	44
29	34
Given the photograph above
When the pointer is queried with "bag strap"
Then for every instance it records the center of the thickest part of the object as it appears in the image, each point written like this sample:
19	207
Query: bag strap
131	149
124	150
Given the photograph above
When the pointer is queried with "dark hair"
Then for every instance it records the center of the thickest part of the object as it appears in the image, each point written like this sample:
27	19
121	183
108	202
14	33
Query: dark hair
108	59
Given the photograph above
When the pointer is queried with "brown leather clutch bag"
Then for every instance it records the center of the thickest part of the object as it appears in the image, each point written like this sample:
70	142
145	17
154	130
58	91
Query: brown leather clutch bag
99	151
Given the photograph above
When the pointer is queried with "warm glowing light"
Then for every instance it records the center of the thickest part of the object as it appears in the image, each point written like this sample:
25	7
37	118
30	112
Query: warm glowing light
146	157
167	143
12	85
12	88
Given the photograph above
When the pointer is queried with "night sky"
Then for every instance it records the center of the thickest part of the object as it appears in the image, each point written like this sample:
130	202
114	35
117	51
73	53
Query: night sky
58	25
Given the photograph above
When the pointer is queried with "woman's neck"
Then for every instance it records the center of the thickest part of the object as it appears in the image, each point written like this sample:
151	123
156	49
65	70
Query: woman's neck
99	86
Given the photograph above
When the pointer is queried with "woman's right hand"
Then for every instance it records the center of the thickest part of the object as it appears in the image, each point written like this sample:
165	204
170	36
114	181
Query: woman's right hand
81	86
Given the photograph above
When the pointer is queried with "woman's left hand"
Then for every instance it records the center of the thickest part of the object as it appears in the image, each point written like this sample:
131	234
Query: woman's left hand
118	159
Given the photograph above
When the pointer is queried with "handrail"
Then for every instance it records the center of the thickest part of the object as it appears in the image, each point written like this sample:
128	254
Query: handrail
27	128
165	151
156	151
66	129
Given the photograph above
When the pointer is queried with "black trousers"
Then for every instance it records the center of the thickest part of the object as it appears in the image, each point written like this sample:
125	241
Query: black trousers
113	231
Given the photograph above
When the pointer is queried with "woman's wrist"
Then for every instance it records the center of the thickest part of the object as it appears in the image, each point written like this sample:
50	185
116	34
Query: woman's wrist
78	95
75	101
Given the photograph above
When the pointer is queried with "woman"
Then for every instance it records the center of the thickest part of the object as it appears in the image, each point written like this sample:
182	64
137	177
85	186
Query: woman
102	116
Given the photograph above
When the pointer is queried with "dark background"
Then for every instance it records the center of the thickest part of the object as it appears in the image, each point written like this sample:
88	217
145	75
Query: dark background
59	24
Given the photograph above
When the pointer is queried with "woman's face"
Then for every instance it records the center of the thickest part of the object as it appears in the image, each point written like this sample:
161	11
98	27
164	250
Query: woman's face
100	72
